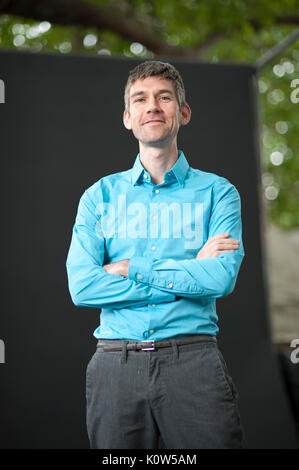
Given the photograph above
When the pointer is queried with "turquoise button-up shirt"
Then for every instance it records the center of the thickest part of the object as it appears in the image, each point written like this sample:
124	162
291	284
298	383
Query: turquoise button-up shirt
160	229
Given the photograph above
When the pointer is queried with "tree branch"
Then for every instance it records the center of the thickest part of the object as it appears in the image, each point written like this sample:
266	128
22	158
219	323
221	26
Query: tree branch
121	19
102	17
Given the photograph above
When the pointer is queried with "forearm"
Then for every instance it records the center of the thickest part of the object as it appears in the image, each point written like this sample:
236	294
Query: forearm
91	286
206	277
89	283
191	278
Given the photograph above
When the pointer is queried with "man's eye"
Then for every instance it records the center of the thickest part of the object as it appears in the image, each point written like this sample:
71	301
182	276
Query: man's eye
138	100
164	98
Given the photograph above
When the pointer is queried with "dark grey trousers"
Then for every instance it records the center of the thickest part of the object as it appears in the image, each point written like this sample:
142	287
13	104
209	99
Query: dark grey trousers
185	393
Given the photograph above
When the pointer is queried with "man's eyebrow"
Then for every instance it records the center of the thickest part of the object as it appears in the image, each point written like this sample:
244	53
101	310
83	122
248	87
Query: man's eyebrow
142	92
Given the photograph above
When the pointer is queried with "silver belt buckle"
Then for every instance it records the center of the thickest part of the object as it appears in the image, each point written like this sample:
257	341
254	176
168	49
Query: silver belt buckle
152	348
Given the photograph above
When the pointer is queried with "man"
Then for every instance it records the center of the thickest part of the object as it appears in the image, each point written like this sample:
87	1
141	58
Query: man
154	247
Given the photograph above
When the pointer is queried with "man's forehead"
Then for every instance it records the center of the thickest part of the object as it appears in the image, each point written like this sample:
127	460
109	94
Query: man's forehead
149	83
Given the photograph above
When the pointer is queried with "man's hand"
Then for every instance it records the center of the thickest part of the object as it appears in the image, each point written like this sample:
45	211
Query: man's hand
119	267
217	245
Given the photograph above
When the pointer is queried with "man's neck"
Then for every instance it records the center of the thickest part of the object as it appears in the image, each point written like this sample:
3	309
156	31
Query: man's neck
157	161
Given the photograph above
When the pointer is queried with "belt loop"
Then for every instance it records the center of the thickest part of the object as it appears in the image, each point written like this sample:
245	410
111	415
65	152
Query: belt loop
174	349
124	353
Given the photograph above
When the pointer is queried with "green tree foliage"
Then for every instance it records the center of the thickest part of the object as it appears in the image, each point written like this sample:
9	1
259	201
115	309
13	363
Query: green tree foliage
209	30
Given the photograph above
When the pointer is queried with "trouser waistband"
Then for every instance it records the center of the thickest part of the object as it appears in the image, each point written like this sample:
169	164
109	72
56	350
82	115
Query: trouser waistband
151	345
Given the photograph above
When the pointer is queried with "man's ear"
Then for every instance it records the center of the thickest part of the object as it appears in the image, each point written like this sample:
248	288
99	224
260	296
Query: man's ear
185	115
127	119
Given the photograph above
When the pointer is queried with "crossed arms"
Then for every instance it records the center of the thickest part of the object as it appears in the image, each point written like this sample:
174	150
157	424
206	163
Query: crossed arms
215	246
213	272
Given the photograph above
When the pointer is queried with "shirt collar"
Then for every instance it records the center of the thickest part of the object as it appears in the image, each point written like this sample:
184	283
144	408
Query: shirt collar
179	169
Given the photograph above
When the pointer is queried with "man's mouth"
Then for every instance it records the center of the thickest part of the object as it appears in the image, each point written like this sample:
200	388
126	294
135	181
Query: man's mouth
154	121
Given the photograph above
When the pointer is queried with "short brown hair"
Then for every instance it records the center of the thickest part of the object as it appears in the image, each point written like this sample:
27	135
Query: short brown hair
156	68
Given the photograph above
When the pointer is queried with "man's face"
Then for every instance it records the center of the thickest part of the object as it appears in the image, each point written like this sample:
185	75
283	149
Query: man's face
154	115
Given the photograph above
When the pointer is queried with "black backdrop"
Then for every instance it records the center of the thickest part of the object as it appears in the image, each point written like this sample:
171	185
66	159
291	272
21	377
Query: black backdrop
61	130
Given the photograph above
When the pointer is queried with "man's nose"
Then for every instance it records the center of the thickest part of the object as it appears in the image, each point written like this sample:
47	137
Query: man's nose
153	105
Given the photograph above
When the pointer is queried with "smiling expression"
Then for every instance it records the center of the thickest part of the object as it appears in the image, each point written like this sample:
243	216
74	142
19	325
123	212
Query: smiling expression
154	115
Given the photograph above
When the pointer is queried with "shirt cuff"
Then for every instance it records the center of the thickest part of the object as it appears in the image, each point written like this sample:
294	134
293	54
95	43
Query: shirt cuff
139	269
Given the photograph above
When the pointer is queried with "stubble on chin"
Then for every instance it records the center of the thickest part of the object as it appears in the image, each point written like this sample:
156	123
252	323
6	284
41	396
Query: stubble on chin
148	140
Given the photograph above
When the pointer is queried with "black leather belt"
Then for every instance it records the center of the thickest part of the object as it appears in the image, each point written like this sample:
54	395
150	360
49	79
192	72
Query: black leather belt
150	345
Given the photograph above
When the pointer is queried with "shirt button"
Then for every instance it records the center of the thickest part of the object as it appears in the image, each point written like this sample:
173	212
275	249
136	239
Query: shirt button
152	331
170	284
139	276
154	217
157	191
153	247
144	176
153	305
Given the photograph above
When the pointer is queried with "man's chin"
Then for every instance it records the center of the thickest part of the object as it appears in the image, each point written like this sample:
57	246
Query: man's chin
164	142
156	144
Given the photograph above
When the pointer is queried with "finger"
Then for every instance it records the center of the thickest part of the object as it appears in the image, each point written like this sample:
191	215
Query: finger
230	250
223	248
226	243
220	235
225	240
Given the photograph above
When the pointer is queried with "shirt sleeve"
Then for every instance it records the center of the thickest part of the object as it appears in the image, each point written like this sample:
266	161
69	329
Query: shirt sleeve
208	277
89	284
